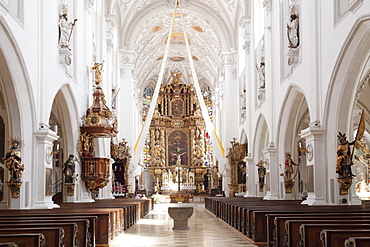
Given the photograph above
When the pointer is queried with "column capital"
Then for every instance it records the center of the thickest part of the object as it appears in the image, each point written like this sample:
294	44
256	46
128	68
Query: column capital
228	57
312	133
127	57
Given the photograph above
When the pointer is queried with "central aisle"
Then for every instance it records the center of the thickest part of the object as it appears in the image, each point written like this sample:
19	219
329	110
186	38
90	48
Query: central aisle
156	230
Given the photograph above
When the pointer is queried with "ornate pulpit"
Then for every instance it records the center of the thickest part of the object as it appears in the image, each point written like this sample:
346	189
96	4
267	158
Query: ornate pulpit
98	123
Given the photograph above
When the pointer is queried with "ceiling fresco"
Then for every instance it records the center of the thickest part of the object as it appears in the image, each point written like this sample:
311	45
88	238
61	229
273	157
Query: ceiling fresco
210	25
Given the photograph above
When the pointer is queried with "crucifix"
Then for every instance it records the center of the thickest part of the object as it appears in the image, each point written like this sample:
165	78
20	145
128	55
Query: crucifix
178	166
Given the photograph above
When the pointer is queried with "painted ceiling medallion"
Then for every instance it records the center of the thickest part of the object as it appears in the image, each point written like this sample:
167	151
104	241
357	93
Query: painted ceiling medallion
177	15
197	28
177	38
157	28
177	59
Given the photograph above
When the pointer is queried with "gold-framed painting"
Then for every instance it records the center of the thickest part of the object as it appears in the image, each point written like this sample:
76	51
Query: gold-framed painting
49	182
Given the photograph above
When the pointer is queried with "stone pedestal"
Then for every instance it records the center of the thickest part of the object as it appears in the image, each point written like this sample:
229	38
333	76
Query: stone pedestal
180	216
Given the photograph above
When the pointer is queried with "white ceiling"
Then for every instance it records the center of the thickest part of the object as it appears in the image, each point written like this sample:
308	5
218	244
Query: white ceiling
216	18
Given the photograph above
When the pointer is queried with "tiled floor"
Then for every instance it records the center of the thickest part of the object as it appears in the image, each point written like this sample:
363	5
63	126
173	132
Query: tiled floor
156	230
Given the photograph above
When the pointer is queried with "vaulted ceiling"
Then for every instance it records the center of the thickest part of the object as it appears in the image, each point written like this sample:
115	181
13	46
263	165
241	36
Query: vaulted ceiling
211	26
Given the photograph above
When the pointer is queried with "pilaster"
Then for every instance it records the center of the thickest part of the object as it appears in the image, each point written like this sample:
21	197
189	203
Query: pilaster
128	125
315	166
272	176
230	98
251	181
43	168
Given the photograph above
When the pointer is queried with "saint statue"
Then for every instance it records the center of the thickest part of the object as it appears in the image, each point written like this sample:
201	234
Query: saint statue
69	168
344	162
13	160
293	30
261	171
261	74
65	29
289	163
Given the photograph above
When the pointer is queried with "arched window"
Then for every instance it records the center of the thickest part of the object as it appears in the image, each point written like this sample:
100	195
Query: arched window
207	97
147	99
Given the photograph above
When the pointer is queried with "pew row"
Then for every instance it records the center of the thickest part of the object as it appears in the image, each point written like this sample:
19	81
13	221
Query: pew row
24	239
337	238
250	215
357	242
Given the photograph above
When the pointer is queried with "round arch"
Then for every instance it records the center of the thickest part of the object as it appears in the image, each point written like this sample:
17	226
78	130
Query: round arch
289	123
261	138
350	76
19	105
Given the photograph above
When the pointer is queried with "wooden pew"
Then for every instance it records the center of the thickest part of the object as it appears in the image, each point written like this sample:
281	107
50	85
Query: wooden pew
69	229
11	244
255	214
291	224
310	233
24	239
131	210
83	225
54	236
102	226
260	220
357	242
337	238
113	222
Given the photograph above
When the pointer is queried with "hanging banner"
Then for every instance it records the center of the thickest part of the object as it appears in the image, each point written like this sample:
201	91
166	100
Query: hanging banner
210	128
145	128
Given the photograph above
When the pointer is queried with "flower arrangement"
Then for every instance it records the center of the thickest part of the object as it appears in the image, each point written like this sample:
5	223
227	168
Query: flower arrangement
158	198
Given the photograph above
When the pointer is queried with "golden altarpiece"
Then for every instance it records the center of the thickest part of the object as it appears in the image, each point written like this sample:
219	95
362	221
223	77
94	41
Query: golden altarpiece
178	140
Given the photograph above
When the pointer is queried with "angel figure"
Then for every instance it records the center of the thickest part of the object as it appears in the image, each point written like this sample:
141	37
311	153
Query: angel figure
176	77
98	68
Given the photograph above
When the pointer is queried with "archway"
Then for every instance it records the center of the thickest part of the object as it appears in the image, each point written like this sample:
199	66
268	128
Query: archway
17	111
348	87
293	120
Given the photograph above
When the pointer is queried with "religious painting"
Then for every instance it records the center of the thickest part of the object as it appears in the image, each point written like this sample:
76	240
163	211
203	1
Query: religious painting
177	15
310	180
177	148
1	183
241	172
177	38
197	28
49	182
157	28
268	188
119	172
177	108
177	59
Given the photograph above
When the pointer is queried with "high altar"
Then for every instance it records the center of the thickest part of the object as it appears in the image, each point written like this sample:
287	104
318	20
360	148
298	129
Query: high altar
178	146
